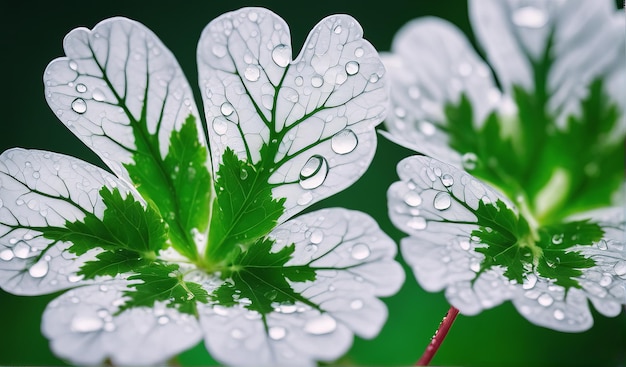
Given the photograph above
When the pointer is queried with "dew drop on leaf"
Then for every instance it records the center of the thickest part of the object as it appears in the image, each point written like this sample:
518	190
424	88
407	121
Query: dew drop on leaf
162	320
323	324
360	251
39	270
447	180
558	314
418	223
236	334
442	201
79	106
337	29
344	141
277	332
530	281
219	51
85	324
220	126
281	55
412	198
465	69
305	198
98	95
81	88
619	268
530	17
227	109
464	245
299	81
252	73
243	174
557	239
271	295
317	81
374	78
426	127
313	173
21	250
356	304
316	237
6	254
352	67
545	300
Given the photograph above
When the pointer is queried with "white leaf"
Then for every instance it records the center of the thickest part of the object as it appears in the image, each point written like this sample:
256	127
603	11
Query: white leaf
316	113
354	262
118	80
83	327
430	65
587	43
40	190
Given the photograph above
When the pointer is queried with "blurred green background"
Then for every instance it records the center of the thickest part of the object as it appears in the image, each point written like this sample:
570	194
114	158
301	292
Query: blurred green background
31	36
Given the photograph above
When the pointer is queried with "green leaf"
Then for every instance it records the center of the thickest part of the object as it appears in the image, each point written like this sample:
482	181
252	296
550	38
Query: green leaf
178	185
164	283
244	209
262	277
125	224
112	263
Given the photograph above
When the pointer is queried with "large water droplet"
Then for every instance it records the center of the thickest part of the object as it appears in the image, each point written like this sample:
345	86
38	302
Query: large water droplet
344	141
314	172
323	324
252	73
447	180
412	198
530	17
79	106
281	55
39	270
442	201
277	332
352	67
317	81
81	88
98	95
86	324
21	250
545	300
227	109
220	126
418	223
360	251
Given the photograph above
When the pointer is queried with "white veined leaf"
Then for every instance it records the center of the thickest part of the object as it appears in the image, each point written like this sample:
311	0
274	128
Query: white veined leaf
83	327
432	64
585	40
40	190
115	82
453	219
353	262
315	113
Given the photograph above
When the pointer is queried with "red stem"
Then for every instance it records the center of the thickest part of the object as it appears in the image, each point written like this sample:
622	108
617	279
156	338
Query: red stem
437	339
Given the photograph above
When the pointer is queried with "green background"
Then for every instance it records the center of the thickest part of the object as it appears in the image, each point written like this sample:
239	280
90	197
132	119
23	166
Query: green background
31	36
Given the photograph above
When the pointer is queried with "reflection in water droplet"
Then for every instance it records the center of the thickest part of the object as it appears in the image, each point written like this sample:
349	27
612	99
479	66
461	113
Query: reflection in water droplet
317	81
442	201
313	173
530	17
412	198
352	67
86	324
320	325
220	126
252	73
281	55
545	300
418	223
344	141
277	332
447	180
469	161
81	88
79	106
360	251
39	270
227	109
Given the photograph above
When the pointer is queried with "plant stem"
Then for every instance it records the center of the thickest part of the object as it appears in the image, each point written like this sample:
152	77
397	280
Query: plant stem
437	339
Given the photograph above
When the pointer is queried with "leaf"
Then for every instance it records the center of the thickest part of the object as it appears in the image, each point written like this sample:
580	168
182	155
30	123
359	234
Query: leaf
42	192
302	300
112	263
85	319
308	122
163	283
120	90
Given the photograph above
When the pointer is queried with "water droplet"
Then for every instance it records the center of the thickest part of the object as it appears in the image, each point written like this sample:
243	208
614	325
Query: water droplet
219	50
352	67
356	304
81	88
310	248
305	198
468	160
86	324
442	201
358	52
465	69
227	109
323	324
619	268
317	81
374	78
464	245
79	106
277	332
447	180
271	295
299	81
412	198
360	251
287	308
474	266
606	280
344	141
557	239
602	245
253	16
314	172
162	320
252	73
545	300
559	314
243	174
220	126
36	174
316	237
530	17
337	29
103	288
74	278
39	270
530	281
281	55
418	223
97	95
6	254
21	250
